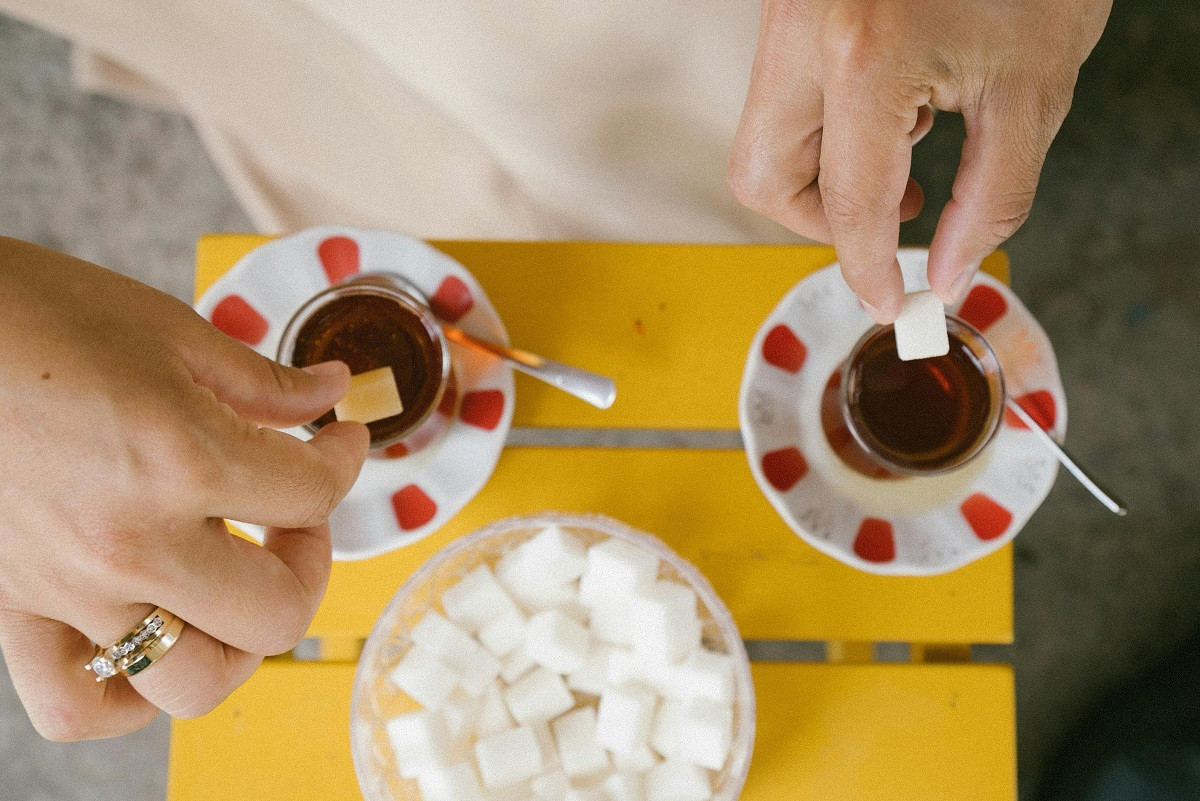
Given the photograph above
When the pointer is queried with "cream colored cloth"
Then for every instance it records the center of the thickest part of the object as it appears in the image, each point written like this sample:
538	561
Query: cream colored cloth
542	119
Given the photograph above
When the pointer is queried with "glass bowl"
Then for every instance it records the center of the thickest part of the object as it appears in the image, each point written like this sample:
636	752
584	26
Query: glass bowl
376	700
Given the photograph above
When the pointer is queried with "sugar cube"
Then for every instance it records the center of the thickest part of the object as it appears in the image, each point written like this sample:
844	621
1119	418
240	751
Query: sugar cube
615	568
630	667
461	713
372	396
556	641
539	696
550	759
678	781
556	555
663	621
705	734
493	713
921	327
640	761
509	757
518	575
504	634
516	665
591	677
552	786
455	783
581	754
420	741
624	786
586	794
477	600
424	677
705	674
469	660
609	621
664	734
624	717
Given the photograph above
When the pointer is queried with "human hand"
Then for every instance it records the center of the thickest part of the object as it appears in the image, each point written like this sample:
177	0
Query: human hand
842	89
129	428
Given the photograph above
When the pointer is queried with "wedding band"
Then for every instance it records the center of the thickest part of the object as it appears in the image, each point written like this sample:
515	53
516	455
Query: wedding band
138	649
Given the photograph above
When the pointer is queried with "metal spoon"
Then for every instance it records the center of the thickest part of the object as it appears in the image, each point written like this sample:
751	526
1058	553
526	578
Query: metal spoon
587	386
1107	498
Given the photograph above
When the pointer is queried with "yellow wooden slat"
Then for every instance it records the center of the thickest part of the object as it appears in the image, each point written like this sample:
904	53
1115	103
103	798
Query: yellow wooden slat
670	323
706	505
846	732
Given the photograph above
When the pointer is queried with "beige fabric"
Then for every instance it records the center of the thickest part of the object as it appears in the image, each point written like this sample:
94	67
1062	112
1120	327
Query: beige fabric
539	119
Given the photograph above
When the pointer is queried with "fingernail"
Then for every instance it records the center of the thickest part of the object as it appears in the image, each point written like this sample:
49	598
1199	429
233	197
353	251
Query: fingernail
325	370
867	307
876	315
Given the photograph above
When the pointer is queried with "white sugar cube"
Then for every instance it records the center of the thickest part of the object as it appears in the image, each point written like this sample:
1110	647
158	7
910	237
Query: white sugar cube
624	786
509	757
461	713
504	634
629	667
615	569
591	677
552	786
518	575
555	554
545	738
516	665
372	396
540	696
678	781
514	792
493	713
624	717
477	600
455	783
556	641
424	677
610	621
664	622
586	794
640	761
705	734
581	754
664	734
921	327
469	660
420	741
704	674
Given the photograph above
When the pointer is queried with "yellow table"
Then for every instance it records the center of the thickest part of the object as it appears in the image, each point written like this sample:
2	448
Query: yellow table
672	324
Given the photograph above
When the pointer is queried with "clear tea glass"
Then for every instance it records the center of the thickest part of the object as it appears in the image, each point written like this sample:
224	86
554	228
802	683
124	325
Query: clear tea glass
370	321
888	418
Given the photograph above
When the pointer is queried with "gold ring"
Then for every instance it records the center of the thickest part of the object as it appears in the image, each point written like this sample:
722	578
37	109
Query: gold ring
138	649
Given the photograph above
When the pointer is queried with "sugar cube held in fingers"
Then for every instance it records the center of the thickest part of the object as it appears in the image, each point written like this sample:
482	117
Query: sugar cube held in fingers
921	327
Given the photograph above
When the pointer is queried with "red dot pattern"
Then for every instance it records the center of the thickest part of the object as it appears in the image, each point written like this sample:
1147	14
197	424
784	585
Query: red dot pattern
413	508
396	450
452	300
874	541
482	408
240	320
1041	407
339	258
783	349
983	307
784	468
987	518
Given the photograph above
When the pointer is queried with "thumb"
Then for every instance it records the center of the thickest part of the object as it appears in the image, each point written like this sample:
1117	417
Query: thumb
257	388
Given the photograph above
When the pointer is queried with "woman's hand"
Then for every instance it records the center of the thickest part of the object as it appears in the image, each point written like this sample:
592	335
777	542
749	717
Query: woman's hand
842	89
129	427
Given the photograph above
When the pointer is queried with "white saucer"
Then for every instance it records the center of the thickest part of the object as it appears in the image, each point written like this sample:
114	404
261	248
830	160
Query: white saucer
396	500
909	526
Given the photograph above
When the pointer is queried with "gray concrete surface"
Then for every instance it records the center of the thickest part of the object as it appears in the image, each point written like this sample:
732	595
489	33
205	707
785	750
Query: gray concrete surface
1108	262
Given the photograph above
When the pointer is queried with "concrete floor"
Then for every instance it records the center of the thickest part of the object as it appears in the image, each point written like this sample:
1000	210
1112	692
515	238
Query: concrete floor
1108	263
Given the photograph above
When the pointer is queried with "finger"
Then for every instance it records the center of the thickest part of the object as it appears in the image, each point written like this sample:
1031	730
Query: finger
195	675
65	703
256	387
259	599
865	159
274	479
993	192
923	125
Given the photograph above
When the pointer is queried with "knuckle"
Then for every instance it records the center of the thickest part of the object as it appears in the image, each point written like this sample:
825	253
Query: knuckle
748	178
844	208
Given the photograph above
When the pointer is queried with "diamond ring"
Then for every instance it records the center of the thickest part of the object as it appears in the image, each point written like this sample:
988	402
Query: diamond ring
138	649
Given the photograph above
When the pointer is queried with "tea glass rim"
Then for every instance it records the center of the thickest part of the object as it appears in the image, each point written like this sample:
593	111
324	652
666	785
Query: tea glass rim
380	284
995	413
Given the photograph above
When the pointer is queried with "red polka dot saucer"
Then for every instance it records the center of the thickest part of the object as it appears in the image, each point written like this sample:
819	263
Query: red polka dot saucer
909	526
414	487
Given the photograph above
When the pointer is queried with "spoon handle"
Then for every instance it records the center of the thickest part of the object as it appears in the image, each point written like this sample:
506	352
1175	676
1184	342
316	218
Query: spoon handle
1104	496
593	388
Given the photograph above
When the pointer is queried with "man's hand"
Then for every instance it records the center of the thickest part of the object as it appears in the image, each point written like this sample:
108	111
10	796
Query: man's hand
129	427
842	89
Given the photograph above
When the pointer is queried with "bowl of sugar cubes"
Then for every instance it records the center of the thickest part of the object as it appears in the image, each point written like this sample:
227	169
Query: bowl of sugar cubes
554	657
